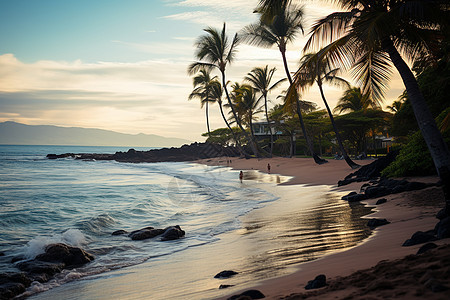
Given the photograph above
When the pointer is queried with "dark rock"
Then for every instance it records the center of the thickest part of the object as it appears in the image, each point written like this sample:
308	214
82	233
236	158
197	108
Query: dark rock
2	254
372	223
145	233
348	195
41	267
377	191
419	237
119	232
381	201
426	247
435	286
11	289
225	274
224	286
250	294
15	277
172	233
398	189
442	214
316	283
68	255
443	228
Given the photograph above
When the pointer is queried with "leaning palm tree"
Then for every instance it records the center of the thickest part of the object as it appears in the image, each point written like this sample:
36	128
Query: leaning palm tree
201	91
370	35
215	50
260	79
354	100
315	68
281	28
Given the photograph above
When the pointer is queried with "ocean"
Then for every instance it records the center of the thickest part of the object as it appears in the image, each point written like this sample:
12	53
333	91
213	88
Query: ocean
257	227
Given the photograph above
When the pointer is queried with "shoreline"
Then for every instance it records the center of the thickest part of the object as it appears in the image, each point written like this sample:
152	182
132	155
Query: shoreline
407	213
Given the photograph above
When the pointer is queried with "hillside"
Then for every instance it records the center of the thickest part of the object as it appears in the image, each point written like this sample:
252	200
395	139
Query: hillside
12	133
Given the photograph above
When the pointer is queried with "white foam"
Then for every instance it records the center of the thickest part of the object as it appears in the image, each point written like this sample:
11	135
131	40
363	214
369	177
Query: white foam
37	245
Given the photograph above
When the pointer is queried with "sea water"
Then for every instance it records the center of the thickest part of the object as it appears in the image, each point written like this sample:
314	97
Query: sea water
81	203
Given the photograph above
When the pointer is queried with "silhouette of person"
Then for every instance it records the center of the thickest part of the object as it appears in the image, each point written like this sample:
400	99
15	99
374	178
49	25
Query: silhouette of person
241	176
268	168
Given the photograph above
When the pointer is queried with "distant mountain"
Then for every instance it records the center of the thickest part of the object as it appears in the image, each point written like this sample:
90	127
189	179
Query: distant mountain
12	133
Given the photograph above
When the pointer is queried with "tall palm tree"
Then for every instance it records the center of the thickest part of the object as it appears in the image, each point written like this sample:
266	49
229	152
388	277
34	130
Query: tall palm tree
354	100
216	92
279	27
369	35
215	50
247	104
201	91
260	79
314	68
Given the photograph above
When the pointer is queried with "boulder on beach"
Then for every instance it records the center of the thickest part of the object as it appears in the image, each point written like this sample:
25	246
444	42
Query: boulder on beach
250	294
318	282
372	223
420	237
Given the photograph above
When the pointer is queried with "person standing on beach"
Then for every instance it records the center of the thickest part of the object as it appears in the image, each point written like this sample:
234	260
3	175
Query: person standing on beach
268	168
241	176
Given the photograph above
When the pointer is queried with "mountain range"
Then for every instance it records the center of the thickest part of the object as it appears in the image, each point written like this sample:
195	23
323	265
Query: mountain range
12	133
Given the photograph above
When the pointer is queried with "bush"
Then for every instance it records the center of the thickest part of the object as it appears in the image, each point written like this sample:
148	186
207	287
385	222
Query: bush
414	158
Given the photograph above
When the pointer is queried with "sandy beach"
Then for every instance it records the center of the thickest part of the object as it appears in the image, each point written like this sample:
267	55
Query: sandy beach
407	212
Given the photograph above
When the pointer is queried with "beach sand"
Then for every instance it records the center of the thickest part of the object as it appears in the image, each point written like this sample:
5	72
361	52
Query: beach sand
407	213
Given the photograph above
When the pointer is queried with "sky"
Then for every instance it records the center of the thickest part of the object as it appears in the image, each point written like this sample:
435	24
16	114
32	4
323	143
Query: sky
122	65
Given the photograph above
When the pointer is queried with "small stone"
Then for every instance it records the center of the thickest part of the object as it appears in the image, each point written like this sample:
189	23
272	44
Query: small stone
381	201
250	294
225	274
318	282
119	232
372	223
224	286
426	247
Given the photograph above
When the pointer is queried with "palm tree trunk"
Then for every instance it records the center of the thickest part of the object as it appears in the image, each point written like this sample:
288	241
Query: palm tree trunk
207	118
348	160
238	144
251	142
270	126
318	160
427	125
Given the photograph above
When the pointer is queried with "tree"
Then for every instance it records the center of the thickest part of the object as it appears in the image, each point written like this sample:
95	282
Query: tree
215	50
370	35
279	25
260	79
354	100
315	68
201	91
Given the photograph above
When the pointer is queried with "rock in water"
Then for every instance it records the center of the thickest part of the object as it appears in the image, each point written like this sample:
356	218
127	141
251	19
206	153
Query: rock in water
62	253
225	274
119	232
172	233
145	233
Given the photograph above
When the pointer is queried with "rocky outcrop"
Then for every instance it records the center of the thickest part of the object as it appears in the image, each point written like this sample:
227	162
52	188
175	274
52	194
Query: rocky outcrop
42	268
370	171
317	283
190	152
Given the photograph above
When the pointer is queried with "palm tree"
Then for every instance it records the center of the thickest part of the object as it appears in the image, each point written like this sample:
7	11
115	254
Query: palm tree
201	91
260	79
369	35
279	27
354	100
215	50
314	68
247	104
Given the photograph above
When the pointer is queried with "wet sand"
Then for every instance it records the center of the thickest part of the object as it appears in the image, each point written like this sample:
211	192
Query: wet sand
408	212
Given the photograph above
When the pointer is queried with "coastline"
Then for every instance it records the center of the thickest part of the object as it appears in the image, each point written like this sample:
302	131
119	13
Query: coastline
407	212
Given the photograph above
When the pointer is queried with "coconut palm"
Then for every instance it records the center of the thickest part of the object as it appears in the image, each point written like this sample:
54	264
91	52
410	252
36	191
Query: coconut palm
201	91
370	35
315	68
279	27
260	79
215	50
247	104
354	100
